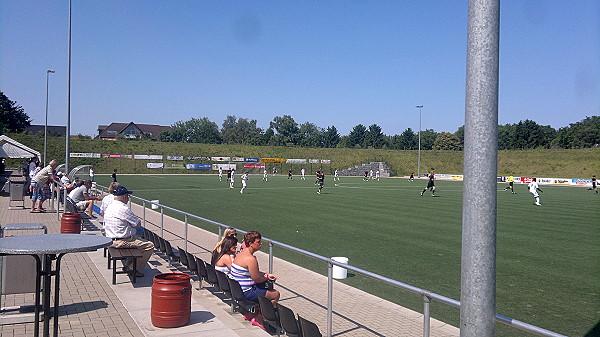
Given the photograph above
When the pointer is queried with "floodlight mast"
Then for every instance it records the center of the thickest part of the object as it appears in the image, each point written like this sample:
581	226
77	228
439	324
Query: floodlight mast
46	124
478	258
68	129
420	107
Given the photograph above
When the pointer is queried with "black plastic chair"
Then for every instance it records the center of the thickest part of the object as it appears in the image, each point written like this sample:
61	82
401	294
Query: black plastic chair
201	270
144	233
308	328
171	253
211	274
238	296
154	238
223	282
191	265
183	257
288	321
162	245
271	318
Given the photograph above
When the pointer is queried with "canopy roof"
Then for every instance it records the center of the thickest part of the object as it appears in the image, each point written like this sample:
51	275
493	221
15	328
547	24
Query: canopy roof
10	148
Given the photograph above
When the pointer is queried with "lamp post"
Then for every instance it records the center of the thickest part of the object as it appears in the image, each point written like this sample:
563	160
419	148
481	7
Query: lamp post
68	128
419	160
46	125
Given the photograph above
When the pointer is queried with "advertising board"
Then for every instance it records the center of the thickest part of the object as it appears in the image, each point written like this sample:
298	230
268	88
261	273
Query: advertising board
154	165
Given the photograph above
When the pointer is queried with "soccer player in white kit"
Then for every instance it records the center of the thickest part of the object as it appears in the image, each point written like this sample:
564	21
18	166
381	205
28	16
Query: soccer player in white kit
220	173
265	175
377	175
336	175
533	189
232	178
303	171
244	181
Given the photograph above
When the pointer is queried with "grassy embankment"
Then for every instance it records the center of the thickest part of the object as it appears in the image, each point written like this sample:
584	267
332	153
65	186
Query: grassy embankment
576	163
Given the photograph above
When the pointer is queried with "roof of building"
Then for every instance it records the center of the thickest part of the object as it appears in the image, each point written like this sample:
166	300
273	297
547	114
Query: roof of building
57	130
153	130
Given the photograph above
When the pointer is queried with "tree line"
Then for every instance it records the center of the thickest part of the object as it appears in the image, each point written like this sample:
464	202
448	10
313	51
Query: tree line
285	131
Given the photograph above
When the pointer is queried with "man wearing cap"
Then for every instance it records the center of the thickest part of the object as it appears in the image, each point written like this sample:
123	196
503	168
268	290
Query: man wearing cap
120	223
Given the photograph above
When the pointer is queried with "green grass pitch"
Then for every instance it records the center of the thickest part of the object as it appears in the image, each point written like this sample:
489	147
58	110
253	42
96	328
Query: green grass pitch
547	257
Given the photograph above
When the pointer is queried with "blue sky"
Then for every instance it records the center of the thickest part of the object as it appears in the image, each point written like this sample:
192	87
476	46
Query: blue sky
327	62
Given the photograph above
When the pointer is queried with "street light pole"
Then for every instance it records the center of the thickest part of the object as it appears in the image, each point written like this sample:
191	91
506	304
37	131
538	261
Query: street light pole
68	129
46	125
419	160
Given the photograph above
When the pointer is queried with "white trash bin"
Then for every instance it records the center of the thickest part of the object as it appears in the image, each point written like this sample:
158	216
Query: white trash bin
154	203
339	272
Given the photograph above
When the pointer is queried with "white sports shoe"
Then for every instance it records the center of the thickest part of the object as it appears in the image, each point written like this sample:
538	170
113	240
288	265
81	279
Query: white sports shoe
538	204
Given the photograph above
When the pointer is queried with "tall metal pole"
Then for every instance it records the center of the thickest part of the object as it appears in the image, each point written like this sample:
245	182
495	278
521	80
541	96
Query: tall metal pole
67	144
46	124
478	264
419	160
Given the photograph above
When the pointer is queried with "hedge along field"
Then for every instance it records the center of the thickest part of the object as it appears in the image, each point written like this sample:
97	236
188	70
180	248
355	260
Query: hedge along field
571	163
547	257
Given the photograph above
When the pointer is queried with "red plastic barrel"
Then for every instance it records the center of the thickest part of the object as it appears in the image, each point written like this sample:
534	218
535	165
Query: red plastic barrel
70	223
171	300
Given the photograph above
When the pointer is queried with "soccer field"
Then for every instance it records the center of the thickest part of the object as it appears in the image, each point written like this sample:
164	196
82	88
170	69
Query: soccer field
547	257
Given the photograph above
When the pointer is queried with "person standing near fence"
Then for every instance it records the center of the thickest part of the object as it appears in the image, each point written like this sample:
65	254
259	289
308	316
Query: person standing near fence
303	172
220	173
114	176
37	182
91	173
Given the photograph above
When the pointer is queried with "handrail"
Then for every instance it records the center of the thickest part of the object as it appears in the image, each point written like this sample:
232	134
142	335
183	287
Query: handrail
427	295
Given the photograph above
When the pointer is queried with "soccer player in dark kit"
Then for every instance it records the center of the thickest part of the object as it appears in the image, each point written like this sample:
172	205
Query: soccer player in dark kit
430	184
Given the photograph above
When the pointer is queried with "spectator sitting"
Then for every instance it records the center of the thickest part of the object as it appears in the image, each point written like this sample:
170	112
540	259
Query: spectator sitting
109	198
82	198
65	181
120	223
228	232
244	269
222	259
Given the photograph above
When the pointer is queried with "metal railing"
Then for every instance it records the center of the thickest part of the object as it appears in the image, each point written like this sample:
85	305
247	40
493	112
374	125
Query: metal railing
426	295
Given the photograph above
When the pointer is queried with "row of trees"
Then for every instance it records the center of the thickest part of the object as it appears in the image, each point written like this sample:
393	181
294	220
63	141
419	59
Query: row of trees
285	131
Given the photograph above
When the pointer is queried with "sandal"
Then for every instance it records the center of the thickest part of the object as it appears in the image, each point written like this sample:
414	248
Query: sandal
255	323
33	211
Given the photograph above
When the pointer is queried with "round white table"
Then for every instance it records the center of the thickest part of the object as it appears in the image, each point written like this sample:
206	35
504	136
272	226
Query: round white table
52	247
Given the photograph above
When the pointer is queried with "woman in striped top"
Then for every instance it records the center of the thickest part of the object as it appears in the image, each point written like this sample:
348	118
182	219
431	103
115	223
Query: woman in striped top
244	270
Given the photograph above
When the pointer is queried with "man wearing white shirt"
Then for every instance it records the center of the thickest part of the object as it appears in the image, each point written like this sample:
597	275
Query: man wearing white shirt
533	189
109	198
119	225
83	198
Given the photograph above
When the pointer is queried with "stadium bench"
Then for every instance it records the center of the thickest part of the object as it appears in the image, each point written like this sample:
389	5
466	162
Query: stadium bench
116	254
